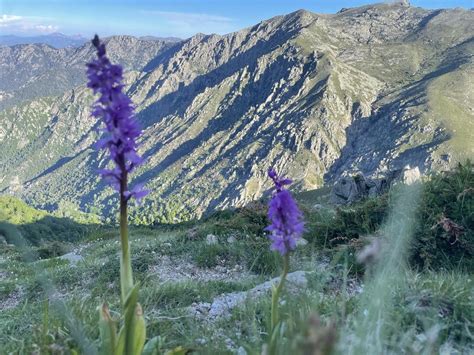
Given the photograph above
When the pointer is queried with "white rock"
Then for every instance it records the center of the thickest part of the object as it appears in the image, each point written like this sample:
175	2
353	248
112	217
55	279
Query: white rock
222	305
410	175
301	242
211	239
72	257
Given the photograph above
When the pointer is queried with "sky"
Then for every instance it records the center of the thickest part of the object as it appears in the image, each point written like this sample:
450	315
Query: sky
163	18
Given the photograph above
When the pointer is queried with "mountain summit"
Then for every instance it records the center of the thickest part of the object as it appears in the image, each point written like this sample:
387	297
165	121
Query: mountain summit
314	95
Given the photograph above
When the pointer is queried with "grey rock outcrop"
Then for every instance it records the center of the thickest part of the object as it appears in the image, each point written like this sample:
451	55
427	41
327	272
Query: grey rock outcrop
352	188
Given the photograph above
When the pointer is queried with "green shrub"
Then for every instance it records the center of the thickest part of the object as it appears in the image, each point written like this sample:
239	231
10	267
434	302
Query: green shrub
51	249
447	197
326	229
109	271
209	255
248	220
37	226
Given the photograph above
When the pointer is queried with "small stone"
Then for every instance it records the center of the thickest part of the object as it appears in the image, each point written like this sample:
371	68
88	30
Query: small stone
238	268
301	242
221	269
211	239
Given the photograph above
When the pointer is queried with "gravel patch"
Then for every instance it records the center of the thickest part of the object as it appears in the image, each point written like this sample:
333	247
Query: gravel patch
177	270
13	299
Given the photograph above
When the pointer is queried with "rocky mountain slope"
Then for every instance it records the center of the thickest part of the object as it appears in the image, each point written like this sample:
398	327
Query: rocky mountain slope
372	88
28	71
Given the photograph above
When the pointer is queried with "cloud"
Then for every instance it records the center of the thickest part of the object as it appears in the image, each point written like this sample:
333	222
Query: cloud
8	19
189	17
46	28
14	24
187	23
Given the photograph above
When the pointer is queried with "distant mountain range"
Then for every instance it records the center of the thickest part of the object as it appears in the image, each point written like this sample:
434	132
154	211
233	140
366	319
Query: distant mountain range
59	40
372	88
56	40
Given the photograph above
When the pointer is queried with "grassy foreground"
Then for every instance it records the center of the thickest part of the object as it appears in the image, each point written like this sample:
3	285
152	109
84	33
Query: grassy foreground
413	295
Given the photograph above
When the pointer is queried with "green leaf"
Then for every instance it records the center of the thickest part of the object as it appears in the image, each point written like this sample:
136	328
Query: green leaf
133	333
108	331
120	349
153	346
138	328
177	351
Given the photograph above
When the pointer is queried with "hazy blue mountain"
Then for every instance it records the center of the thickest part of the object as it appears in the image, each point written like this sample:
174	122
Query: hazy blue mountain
56	40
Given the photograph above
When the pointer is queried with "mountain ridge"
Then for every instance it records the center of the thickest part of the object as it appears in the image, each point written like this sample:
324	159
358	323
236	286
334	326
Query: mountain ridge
313	95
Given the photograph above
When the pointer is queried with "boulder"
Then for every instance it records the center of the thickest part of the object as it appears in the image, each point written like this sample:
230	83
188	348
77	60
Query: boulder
344	191
350	189
410	175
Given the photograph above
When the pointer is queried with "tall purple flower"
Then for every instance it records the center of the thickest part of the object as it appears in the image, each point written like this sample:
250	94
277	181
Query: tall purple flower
121	128
286	219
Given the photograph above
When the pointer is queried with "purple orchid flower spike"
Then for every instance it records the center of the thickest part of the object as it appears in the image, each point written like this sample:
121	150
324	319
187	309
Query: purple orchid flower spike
121	128
286	219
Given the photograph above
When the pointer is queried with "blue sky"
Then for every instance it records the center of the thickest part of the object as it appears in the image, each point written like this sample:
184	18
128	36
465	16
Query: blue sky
180	18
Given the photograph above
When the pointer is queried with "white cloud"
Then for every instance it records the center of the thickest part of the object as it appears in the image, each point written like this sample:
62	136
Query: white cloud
190	17
14	24
187	23
8	19
46	28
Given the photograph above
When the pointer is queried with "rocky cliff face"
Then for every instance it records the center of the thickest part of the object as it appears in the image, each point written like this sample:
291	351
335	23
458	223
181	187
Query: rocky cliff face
371	89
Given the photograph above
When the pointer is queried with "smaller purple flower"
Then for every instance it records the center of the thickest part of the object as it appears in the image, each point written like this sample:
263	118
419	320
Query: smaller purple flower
286	219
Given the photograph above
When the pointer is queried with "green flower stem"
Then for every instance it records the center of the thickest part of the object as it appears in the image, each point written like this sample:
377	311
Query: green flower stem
126	277
276	294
